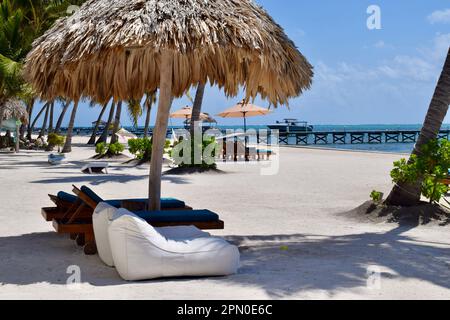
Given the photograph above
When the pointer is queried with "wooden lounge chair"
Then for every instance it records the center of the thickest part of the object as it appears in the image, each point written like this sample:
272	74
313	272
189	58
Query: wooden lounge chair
67	204
95	167
77	221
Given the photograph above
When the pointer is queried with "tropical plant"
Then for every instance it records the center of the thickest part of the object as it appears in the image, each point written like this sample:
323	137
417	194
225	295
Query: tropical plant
115	148
54	140
141	148
101	148
431	167
407	192
376	196
208	149
21	22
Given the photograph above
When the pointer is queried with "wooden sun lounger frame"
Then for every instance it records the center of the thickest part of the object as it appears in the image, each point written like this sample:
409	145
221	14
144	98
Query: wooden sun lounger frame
76	219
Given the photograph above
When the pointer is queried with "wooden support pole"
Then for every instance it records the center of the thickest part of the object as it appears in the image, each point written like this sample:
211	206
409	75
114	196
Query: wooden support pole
160	131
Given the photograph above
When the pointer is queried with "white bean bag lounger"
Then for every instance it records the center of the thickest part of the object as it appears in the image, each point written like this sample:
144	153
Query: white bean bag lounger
104	214
141	252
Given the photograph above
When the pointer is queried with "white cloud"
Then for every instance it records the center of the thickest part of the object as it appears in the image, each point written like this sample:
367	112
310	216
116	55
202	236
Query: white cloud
439	16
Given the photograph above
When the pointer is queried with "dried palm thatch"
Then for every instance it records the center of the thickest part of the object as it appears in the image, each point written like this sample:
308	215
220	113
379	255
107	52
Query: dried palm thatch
113	48
13	109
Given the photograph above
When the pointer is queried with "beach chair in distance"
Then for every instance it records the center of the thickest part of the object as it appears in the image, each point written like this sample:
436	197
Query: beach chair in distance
95	167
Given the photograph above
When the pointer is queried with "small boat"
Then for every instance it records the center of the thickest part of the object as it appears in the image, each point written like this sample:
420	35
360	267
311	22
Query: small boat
291	126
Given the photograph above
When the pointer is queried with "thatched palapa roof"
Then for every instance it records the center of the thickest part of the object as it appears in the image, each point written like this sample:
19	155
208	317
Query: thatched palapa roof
13	109
111	48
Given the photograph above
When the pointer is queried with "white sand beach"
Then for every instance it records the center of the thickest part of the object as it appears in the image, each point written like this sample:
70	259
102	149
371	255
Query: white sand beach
292	240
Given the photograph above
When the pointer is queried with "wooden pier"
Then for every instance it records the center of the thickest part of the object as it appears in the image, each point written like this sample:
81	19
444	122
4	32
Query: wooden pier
351	137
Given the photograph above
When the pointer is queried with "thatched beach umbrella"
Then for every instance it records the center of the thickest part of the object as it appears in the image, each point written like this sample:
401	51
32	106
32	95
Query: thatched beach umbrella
13	114
124	48
13	109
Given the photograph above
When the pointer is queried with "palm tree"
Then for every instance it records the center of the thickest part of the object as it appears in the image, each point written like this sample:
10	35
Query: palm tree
197	107
50	119
116	128
407	194
44	123
150	99
97	123
68	144
31	126
105	132
66	105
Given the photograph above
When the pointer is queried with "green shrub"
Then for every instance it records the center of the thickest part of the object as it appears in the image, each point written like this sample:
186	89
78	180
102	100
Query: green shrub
141	148
101	148
54	140
208	149
432	166
115	148
376	196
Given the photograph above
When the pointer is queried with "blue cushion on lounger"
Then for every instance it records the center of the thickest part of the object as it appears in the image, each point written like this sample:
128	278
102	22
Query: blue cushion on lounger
178	216
91	194
166	203
64	196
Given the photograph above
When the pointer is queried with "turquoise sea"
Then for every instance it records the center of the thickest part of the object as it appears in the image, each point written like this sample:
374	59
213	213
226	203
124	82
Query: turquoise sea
384	147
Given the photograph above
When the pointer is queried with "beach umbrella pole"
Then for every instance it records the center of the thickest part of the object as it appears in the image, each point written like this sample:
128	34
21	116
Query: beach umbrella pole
160	131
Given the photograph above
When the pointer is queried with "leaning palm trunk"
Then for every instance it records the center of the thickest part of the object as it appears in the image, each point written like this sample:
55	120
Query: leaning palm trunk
44	123
68	145
31	127
50	124
114	138
147	120
61	117
26	127
97	124
149	100
105	132
197	108
407	194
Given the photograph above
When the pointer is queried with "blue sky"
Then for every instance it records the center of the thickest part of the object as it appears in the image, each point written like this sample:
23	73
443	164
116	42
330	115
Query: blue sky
362	76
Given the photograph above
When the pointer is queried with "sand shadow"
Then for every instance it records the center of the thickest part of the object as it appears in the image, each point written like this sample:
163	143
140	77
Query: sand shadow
286	264
282	265
45	257
99	179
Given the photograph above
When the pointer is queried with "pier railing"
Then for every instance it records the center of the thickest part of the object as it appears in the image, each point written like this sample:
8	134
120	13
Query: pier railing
318	138
351	137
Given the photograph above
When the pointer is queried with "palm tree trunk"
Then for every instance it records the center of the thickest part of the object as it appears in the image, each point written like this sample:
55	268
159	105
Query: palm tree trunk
114	138
68	145
31	127
148	107
44	123
50	125
24	127
104	136
61	117
30	113
197	107
406	194
160	131
97	124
